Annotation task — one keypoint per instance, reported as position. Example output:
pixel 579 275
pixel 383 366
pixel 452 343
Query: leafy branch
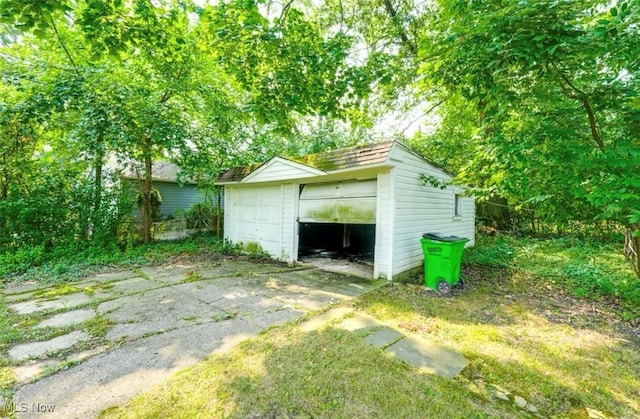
pixel 434 181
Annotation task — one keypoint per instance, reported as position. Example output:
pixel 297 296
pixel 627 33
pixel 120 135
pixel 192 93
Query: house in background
pixel 175 196
pixel 369 201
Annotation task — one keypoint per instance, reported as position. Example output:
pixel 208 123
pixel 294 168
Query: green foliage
pixel 453 145
pixel 56 212
pixel 253 248
pixel 200 215
pixel 288 65
pixel 156 201
pixel 583 267
pixel 552 88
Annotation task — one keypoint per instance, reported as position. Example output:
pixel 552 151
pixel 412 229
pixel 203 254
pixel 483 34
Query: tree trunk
pixel 97 188
pixel 636 245
pixel 632 247
pixel 146 194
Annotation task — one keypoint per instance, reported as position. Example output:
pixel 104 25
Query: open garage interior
pixel 355 242
pixel 337 220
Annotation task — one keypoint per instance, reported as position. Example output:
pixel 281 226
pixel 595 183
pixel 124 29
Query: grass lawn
pixel 522 321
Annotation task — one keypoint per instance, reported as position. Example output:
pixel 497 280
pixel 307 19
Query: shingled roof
pixel 236 174
pixel 328 161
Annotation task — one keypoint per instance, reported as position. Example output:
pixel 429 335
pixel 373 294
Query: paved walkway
pixel 120 333
pixel 414 350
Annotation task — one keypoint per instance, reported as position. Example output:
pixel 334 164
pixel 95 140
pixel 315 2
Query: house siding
pixel 420 208
pixel 230 217
pixel 176 197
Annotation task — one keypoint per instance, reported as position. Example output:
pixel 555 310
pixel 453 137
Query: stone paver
pixel 321 320
pixel 20 296
pixel 360 322
pixel 36 349
pixel 384 337
pixel 428 356
pixel 113 276
pixel 67 318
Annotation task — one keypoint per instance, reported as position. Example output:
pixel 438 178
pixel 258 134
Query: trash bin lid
pixel 440 237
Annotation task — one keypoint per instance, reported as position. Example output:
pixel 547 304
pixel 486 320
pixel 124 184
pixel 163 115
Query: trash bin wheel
pixel 444 287
pixel 460 284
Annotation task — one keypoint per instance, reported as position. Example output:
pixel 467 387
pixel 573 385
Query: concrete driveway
pixel 123 332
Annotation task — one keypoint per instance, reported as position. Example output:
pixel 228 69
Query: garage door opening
pixel 355 242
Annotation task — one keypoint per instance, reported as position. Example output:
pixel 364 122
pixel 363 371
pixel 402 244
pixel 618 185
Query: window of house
pixel 457 206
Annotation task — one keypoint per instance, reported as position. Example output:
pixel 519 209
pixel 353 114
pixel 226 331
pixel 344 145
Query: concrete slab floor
pixel 68 318
pixel 324 318
pixel 135 284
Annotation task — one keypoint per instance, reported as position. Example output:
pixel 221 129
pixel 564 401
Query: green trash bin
pixel 442 259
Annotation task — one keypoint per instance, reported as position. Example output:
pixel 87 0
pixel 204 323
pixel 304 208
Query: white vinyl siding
pixel 288 251
pixel 279 169
pixel 383 252
pixel 420 208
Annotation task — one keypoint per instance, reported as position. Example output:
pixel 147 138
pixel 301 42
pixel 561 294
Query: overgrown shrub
pixel 200 215
pixel 156 201
pixel 58 214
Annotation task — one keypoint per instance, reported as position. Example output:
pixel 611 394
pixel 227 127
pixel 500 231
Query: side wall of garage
pixel 420 208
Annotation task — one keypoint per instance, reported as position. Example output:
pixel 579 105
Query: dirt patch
pixel 553 303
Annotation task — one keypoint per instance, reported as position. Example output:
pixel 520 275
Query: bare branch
pixel 285 9
pixel 63 45
pixel 425 113
pixel 566 85
pixel 393 14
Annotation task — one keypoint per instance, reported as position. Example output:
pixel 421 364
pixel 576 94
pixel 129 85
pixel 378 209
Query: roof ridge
pixel 346 149
pixel 337 159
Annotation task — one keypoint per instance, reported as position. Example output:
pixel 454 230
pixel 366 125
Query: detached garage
pixel 369 201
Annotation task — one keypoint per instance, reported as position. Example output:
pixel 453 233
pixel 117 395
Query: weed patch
pixel 225 315
pixel 65 265
pixel 583 268
pixel 192 276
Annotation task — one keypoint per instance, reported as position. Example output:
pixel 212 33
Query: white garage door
pixel 349 202
pixel 259 217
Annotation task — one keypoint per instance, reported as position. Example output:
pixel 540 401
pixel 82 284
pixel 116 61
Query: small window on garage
pixel 457 206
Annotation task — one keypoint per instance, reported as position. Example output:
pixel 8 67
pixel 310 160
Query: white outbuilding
pixel 372 201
